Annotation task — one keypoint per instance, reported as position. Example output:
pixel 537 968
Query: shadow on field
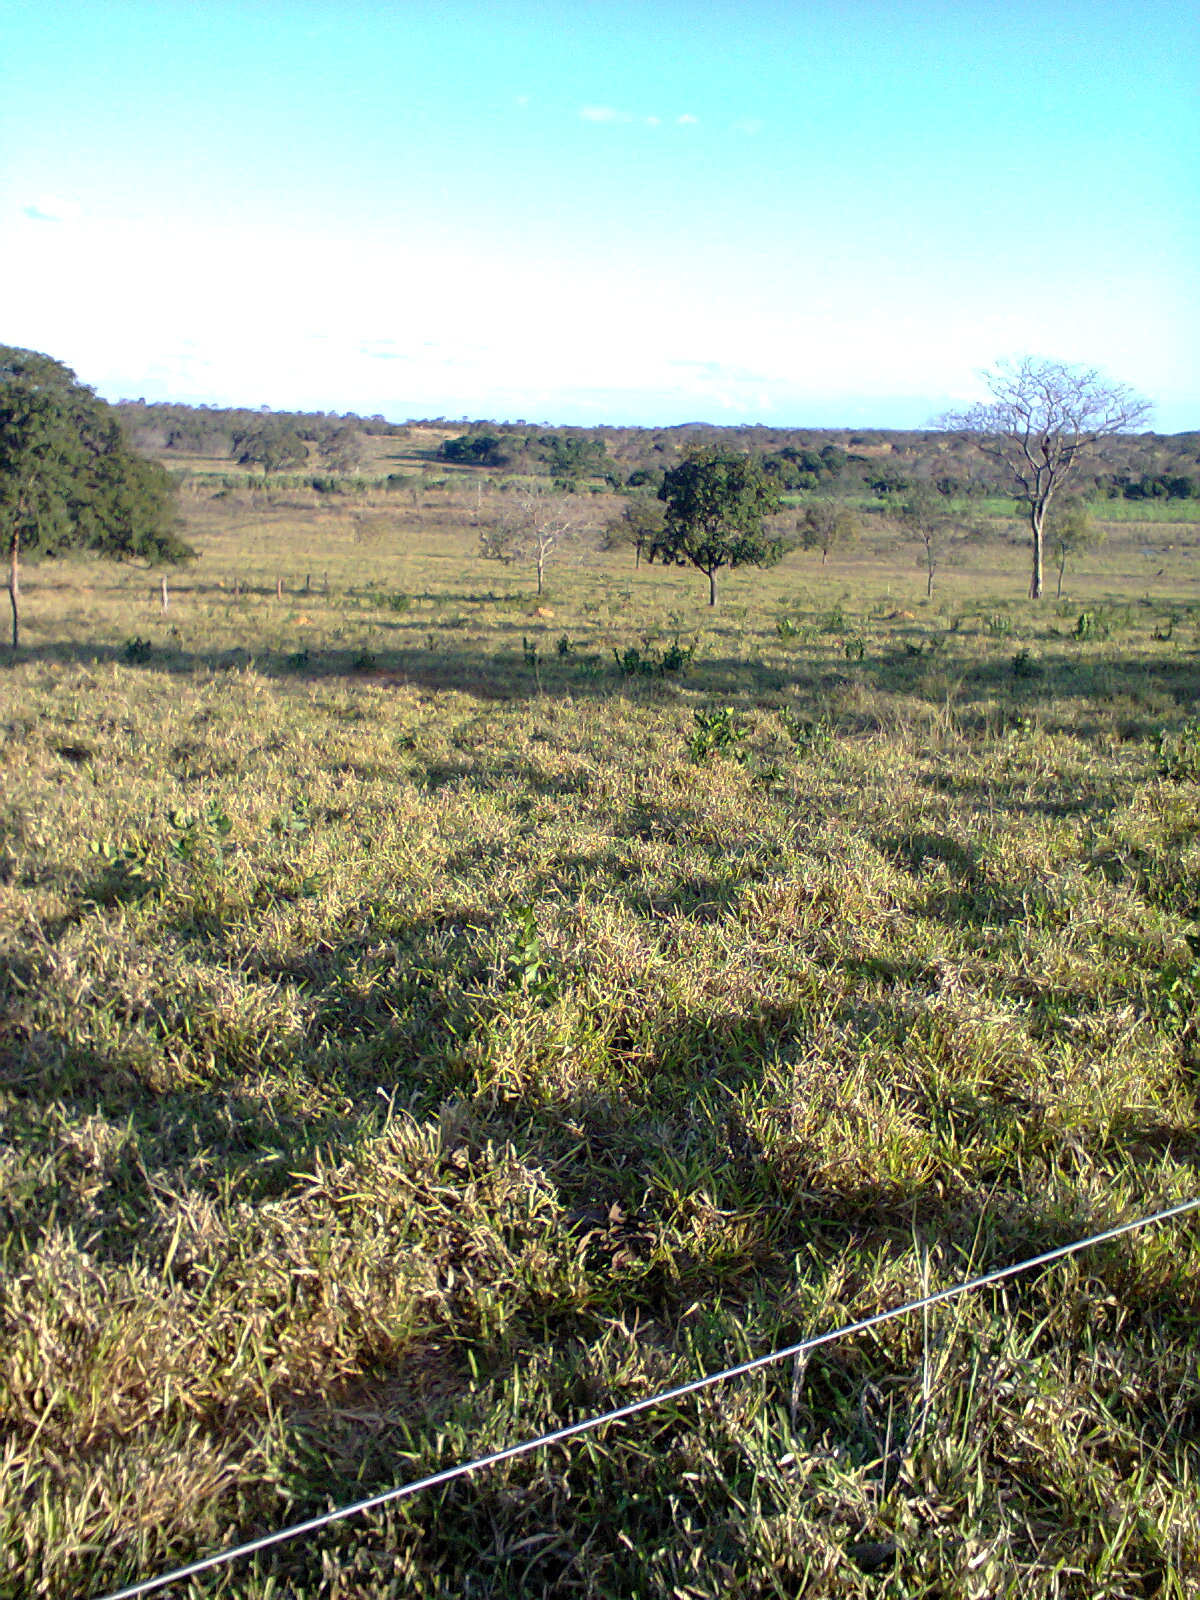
pixel 1139 694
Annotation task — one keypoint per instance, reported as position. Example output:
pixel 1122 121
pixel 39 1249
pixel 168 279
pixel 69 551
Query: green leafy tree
pixel 828 525
pixel 716 501
pixel 1070 531
pixel 1043 421
pixel 572 457
pixel 929 520
pixel 68 478
pixel 638 526
pixel 272 446
pixel 345 450
pixel 474 450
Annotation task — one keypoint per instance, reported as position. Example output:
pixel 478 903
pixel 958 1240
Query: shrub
pixel 137 651
pixel 1178 752
pixel 715 733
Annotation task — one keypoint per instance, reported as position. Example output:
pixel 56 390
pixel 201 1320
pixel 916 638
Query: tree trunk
pixel 929 583
pixel 712 587
pixel 637 556
pixel 14 589
pixel 1058 594
pixel 1037 517
pixel 540 567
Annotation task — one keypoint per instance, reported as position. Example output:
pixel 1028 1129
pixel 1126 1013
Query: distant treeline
pixel 1147 466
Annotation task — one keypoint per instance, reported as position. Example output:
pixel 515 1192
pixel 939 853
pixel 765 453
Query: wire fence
pixel 619 1413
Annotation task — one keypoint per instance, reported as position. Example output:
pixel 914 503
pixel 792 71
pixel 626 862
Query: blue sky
pixel 808 213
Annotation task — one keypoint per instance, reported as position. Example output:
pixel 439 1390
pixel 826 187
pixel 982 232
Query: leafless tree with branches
pixel 1043 419
pixel 533 527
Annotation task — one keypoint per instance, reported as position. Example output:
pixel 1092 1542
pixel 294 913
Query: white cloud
pixel 750 125
pixel 185 321
pixel 610 114
pixel 687 120
pixel 49 208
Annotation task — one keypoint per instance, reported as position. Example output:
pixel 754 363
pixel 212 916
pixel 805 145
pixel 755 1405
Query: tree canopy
pixel 274 446
pixel 828 525
pixel 68 479
pixel 715 505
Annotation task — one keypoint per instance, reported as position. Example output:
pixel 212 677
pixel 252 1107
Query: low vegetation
pixel 429 1011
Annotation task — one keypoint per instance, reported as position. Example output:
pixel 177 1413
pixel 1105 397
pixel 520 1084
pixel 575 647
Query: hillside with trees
pixel 846 461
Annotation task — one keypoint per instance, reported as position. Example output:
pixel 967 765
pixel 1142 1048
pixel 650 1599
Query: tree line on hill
pixel 71 477
pixel 1134 466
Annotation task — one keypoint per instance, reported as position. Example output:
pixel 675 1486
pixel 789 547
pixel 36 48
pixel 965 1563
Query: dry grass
pixel 326 1164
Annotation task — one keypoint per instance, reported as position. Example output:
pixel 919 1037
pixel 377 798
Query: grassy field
pixel 424 1019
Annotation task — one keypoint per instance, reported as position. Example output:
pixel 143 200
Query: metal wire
pixel 619 1413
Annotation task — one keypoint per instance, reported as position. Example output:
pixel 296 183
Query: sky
pixel 660 211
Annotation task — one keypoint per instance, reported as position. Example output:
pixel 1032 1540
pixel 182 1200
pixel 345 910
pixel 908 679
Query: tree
pixel 474 450
pixel 271 446
pixel 532 527
pixel 345 450
pixel 715 504
pixel 828 525
pixel 1044 419
pixel 927 518
pixel 638 526
pixel 574 456
pixel 68 479
pixel 1071 531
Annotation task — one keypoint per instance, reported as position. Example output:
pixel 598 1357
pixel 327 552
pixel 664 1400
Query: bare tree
pixel 533 527
pixel 1043 419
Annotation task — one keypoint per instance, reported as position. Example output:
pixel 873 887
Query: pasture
pixel 423 1018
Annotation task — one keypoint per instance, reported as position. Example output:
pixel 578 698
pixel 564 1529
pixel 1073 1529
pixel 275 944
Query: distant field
pixel 428 1012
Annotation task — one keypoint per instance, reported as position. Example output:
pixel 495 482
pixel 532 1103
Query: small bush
pixel 527 966
pixel 715 733
pixel 137 651
pixel 1178 753
pixel 125 874
pixel 806 733
pixel 1090 626
pixel 1024 666
pixel 203 836
pixel 365 661
pixel 651 664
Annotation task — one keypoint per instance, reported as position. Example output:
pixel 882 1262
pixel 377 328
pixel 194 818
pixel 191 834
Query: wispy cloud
pixel 382 350
pixel 610 114
pixel 687 120
pixel 750 125
pixel 49 208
